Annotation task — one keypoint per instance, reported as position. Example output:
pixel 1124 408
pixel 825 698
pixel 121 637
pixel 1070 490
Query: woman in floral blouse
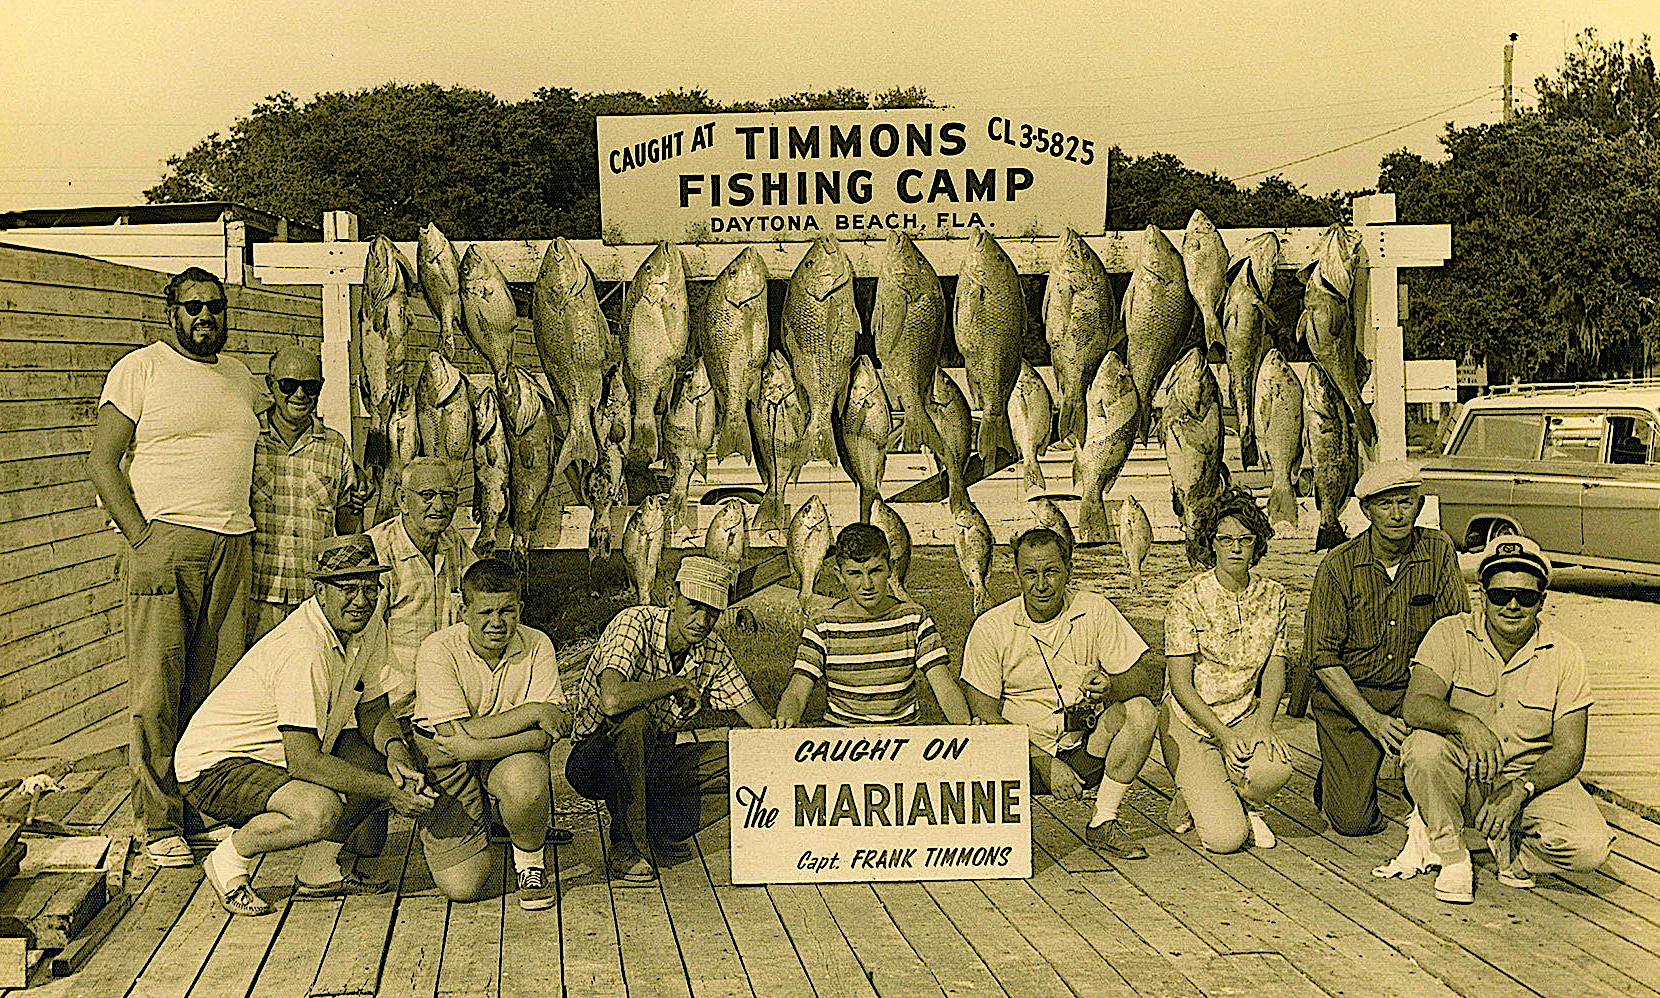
pixel 1224 639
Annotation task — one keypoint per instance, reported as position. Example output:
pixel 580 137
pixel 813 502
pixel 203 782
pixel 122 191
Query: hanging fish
pixel 1336 456
pixel 1135 536
pixel 1279 416
pixel 383 338
pixel 644 538
pixel 1326 325
pixel 952 419
pixel 990 325
pixel 734 345
pixel 778 422
pixel 529 418
pixel 439 268
pixel 1205 264
pixel 1158 312
pixel 1111 416
pixel 657 332
pixel 1246 323
pixel 1031 412
pixel 575 344
pixel 491 319
pixel 907 322
pixel 444 411
pixel 1193 443
pixel 690 401
pixel 883 518
pixel 1047 513
pixel 808 541
pixel 1081 322
pixel 866 430
pixel 491 478
pixel 403 442
pixel 821 328
pixel 727 539
pixel 973 543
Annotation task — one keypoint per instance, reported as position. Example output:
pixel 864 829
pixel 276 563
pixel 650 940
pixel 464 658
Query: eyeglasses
pixel 448 495
pixel 1528 598
pixel 194 308
pixel 289 386
pixel 1237 542
pixel 367 590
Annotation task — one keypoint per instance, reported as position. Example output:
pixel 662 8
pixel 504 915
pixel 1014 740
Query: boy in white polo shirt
pixel 488 706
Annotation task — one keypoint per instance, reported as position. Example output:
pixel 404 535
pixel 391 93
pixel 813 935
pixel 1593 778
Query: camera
pixel 1078 716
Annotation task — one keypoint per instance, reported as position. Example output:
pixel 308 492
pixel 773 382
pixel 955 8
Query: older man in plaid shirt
pixel 305 489
pixel 653 670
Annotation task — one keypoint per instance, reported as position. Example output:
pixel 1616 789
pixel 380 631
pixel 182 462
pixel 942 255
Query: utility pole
pixel 1509 56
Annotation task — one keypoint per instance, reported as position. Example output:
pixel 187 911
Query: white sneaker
pixel 1261 835
pixel 171 851
pixel 1456 883
pixel 1511 871
pixel 1178 817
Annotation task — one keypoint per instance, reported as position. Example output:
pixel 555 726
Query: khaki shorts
pixel 454 831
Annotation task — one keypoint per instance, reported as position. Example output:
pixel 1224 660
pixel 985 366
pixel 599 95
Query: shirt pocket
pixel 1534 714
pixel 1474 695
pixel 317 491
pixel 264 485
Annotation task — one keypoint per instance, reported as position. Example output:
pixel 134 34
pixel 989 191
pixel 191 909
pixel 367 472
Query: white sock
pixel 524 859
pixel 233 863
pixel 1106 800
pixel 320 863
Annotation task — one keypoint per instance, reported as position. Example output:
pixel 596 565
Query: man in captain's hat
pixel 1372 601
pixel 654 669
pixel 271 751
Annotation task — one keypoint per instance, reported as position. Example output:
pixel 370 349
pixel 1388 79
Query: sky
pixel 96 94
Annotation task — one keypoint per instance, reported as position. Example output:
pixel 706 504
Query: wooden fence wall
pixel 63 321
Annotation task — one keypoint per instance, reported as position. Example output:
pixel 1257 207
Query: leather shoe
pixel 1109 839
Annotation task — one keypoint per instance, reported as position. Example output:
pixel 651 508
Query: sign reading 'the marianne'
pixel 797 175
pixel 945 802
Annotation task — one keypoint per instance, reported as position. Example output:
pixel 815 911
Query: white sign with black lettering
pixel 933 802
pixel 797 175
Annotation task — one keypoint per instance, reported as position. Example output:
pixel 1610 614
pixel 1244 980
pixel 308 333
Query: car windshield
pixel 1502 435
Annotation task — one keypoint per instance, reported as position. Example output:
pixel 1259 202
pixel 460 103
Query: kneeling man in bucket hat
pixel 653 670
pixel 271 750
pixel 1500 703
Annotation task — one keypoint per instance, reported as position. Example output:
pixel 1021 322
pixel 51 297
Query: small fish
pixel 690 400
pixel 383 331
pixel 1205 263
pixel 1047 513
pixel 1031 412
pixel 491 319
pixel 907 322
pixel 1246 323
pixel 973 543
pixel 1158 312
pixel 1135 536
pixel 491 457
pixel 1336 456
pixel 1111 417
pixel 444 410
pixel 727 539
pixel 599 492
pixel 1336 252
pixel 865 432
pixel 990 325
pixel 777 422
pixel 1279 416
pixel 403 443
pixel 643 541
pixel 656 335
pixel 1082 322
pixel 809 540
pixel 439 268
pixel 575 343
pixel 821 327
pixel 883 518
pixel 1193 442
pixel 1327 327
pixel 733 340
pixel 529 418
pixel 951 418
pixel 613 423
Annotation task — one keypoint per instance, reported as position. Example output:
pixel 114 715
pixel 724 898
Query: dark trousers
pixel 652 786
pixel 1347 787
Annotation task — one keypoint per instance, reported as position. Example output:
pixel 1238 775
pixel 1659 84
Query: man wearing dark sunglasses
pixel 305 488
pixel 1500 707
pixel 187 412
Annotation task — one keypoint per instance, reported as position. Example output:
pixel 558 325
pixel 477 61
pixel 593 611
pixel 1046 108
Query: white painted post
pixel 339 317
pixel 1381 339
pixel 236 241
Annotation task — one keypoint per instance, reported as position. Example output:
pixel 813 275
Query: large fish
pixel 1335 254
pixel 403 443
pixel 1246 322
pixel 1111 417
pixel 1193 442
pixel 691 406
pixel 575 344
pixel 1326 326
pixel 821 328
pixel 883 518
pixel 1135 536
pixel 1205 264
pixel 1279 416
pixel 951 417
pixel 492 456
pixel 778 421
pixel 907 322
pixel 734 346
pixel 439 269
pixel 1336 458
pixel 809 539
pixel 1158 312
pixel 727 539
pixel 644 538
pixel 865 432
pixel 530 420
pixel 990 325
pixel 444 410
pixel 972 539
pixel 491 319
pixel 1047 513
pixel 1081 322
pixel 658 325
pixel 1031 413
pixel 383 338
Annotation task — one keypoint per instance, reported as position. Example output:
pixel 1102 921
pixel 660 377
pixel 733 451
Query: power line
pixel 1379 135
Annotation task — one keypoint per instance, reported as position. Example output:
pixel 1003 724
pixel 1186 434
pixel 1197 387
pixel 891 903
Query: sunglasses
pixel 194 308
pixel 1528 598
pixel 312 386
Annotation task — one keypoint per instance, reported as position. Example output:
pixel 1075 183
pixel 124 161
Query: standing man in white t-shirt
pixel 187 412
pixel 1068 666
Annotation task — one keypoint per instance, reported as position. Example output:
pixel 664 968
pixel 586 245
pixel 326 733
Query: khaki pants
pixel 1561 829
pixel 1214 790
pixel 186 596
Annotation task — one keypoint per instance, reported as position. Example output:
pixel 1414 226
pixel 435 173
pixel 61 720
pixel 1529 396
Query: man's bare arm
pixel 111 436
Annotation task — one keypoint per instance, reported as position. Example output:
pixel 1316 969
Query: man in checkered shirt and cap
pixel 652 672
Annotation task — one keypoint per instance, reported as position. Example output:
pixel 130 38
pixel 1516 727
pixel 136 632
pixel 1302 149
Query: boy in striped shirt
pixel 869 647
